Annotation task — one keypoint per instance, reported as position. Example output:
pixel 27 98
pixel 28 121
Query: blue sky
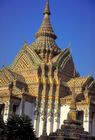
pixel 73 22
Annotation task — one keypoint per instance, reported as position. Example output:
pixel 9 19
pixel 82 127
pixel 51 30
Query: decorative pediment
pixel 17 92
pixel 61 57
pixel 4 80
pixel 64 61
pixel 78 84
pixel 68 66
pixel 26 59
pixel 7 76
pixel 8 73
pixel 91 87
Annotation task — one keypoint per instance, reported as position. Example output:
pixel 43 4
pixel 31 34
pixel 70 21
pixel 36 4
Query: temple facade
pixel 42 81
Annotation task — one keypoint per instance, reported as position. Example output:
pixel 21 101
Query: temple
pixel 42 82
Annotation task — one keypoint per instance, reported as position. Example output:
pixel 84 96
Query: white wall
pixel 93 125
pixel 63 113
pixel 29 110
pixel 18 110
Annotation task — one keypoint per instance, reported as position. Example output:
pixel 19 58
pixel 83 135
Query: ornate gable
pixel 7 76
pixel 78 84
pixel 64 62
pixel 91 87
pixel 3 79
pixel 25 60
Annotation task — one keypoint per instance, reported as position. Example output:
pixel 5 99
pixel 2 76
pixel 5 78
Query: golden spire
pixel 47 9
pixel 45 45
pixel 46 28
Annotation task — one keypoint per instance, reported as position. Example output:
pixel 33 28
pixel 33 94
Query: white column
pixel 56 116
pixel 41 123
pixel 49 122
pixel 22 106
pixel 6 111
pixel 50 110
pixel 37 111
pixel 86 120
pixel 37 121
pixel 55 126
pixel 57 108
pixel 36 125
pixel 63 113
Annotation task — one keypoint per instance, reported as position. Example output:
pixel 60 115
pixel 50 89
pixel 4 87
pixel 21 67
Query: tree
pixel 2 128
pixel 19 128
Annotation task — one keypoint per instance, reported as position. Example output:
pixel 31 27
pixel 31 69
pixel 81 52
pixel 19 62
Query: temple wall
pixel 29 110
pixel 93 125
pixel 86 120
pixel 92 120
pixel 64 111
pixel 86 117
pixel 18 110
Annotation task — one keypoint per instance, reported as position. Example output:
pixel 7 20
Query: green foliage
pixel 2 128
pixel 17 128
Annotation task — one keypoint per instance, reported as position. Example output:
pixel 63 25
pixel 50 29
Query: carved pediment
pixel 64 61
pixel 60 57
pixel 7 76
pixel 79 84
pixel 91 87
pixel 26 59
pixel 68 66
pixel 4 80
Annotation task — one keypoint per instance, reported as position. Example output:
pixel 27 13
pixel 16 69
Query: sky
pixel 73 22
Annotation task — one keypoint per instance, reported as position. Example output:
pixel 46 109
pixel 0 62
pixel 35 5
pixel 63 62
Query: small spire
pixel 47 9
pixel 46 27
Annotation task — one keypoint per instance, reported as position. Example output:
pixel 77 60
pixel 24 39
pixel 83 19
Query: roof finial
pixel 47 9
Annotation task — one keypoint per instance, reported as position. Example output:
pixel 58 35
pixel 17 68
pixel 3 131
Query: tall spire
pixel 45 45
pixel 46 28
pixel 47 9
